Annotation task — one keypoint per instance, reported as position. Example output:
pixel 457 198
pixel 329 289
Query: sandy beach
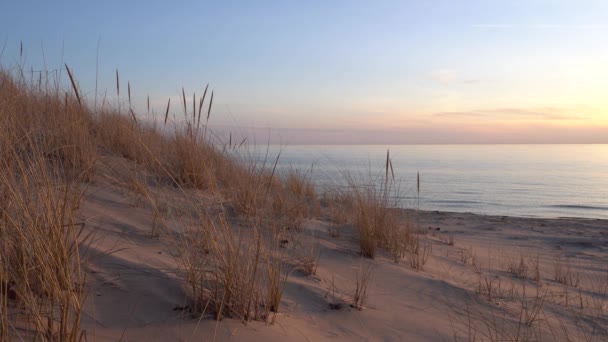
pixel 483 274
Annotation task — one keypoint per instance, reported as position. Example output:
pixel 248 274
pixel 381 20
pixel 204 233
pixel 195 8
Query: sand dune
pixel 137 289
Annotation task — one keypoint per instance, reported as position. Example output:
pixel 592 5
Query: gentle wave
pixel 457 202
pixel 577 206
pixel 462 192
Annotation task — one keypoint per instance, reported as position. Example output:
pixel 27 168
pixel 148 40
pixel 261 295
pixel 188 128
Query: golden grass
pixel 46 157
pixel 233 272
pixel 363 278
pixel 373 217
pixel 522 305
pixel 49 148
pixel 379 223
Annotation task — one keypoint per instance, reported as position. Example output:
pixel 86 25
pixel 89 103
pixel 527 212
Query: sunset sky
pixel 341 71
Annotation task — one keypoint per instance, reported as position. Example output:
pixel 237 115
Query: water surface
pixel 514 180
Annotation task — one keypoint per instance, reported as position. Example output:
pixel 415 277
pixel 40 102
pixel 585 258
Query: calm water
pixel 515 180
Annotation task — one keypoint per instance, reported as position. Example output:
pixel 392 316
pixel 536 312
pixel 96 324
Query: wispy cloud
pixel 513 113
pixel 541 27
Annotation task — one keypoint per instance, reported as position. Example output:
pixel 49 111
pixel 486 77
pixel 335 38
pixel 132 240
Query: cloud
pixel 582 27
pixel 459 114
pixel 513 113
pixel 432 134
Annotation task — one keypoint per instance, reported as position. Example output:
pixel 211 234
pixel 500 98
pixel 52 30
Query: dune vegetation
pixel 231 234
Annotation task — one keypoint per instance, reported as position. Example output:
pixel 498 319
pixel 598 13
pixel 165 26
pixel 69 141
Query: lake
pixel 515 180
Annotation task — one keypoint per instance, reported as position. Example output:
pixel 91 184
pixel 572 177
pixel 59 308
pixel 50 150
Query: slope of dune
pixel 137 292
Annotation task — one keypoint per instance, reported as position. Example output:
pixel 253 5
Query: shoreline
pixel 446 212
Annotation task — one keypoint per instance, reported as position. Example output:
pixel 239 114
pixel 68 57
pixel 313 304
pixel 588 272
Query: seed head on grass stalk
pixel 73 85
pixel 200 107
pixel 117 84
pixel 208 115
pixel 167 111
pixel 130 107
pixel 118 91
pixel 193 109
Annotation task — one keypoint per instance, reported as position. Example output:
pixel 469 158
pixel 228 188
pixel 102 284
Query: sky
pixel 369 72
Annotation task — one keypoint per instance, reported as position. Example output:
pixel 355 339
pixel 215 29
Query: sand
pixel 137 293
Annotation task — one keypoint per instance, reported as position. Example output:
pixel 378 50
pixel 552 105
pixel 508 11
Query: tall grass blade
pixel 386 167
pixel 193 108
pixel 73 84
pixel 184 101
pixel 208 114
pixel 96 71
pixel 133 115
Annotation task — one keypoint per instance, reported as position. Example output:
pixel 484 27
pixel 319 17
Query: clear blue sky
pixel 383 71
